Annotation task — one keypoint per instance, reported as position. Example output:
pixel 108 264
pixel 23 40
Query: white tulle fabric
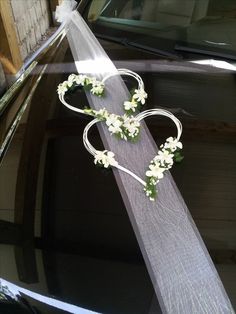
pixel 183 275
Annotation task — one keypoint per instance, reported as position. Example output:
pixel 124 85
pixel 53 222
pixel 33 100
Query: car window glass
pixel 203 25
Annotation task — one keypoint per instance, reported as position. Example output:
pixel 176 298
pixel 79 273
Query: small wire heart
pixel 164 160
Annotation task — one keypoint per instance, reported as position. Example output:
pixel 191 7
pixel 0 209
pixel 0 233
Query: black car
pixel 67 228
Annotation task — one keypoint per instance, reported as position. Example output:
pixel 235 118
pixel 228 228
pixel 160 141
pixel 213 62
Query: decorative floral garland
pixel 137 99
pixel 164 160
pixel 95 86
pixel 123 127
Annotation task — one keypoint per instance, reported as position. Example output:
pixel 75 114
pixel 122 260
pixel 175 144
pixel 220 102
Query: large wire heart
pixel 122 126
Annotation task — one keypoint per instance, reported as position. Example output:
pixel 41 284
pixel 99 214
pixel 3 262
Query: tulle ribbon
pixel 184 277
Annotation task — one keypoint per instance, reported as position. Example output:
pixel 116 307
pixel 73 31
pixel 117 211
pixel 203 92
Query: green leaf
pixel 178 157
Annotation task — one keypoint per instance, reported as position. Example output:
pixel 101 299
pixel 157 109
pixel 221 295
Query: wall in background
pixel 2 79
pixel 23 23
pixel 32 19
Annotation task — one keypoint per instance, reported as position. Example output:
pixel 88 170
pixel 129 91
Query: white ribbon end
pixel 64 10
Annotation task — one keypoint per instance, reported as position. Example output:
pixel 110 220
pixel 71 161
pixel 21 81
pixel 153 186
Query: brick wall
pixel 32 19
pixel 2 79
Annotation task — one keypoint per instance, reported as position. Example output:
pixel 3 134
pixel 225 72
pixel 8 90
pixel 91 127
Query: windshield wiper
pixel 119 40
pixel 154 50
pixel 125 42
pixel 220 54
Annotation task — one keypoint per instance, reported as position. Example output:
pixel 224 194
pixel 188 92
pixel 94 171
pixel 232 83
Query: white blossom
pixel 62 88
pixel 105 158
pixel 130 105
pixel 80 79
pixel 161 162
pixel 164 157
pixel 155 171
pixel 173 144
pixel 111 119
pixel 132 125
pixel 140 95
pixel 114 123
pixel 115 128
pixel 71 80
pixel 92 80
pixel 132 130
pixel 97 88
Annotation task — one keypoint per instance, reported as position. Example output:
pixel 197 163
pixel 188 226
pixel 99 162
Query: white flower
pixel 132 130
pixel 155 171
pixel 164 157
pixel 114 123
pixel 148 192
pixel 161 162
pixel 111 119
pixel 140 95
pixel 97 88
pixel 92 80
pixel 71 79
pixel 115 128
pixel 132 125
pixel 130 105
pixel 173 144
pixel 99 157
pixel 105 158
pixel 80 79
pixel 62 88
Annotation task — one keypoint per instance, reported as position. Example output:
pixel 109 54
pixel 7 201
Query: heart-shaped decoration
pixel 164 160
pixel 125 126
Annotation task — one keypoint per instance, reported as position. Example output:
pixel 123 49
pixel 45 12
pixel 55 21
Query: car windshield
pixel 199 26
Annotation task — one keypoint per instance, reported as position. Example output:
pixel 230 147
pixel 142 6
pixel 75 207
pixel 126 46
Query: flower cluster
pixel 105 158
pixel 164 160
pixel 88 83
pixel 123 127
pixel 138 98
